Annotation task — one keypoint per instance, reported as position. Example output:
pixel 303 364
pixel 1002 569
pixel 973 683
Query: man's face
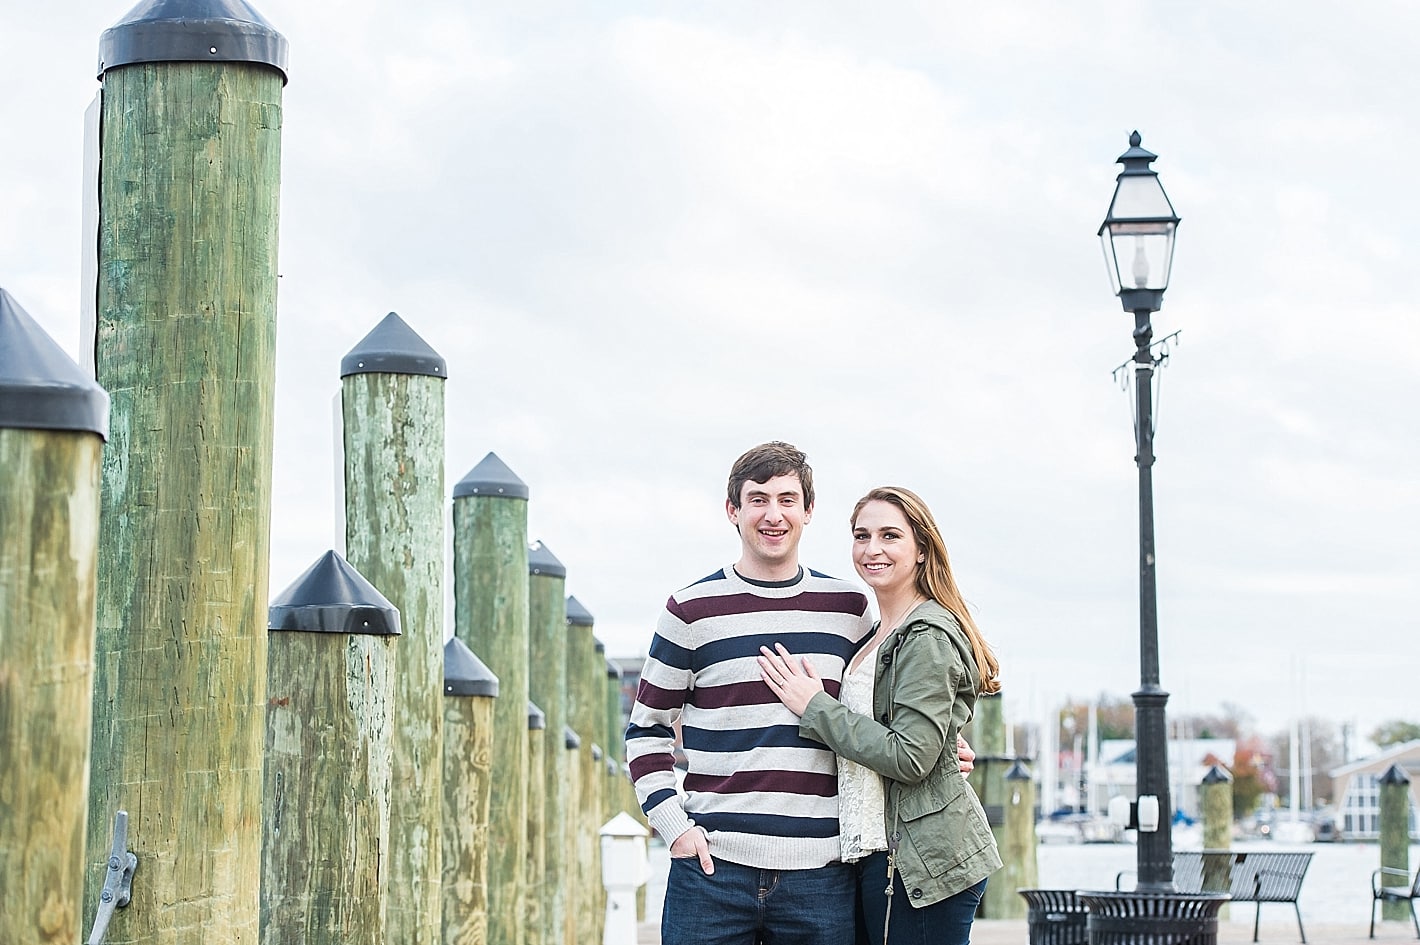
pixel 770 520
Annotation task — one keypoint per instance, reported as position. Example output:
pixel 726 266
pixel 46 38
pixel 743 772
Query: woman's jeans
pixel 943 923
pixel 742 905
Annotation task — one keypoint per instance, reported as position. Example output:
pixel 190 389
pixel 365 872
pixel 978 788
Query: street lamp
pixel 1138 235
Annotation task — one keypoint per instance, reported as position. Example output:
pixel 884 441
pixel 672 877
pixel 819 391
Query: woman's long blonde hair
pixel 934 574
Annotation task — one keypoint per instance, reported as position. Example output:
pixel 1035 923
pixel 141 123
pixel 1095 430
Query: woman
pixel 905 697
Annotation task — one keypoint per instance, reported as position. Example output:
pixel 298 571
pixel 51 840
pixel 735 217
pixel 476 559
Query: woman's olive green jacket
pixel 924 691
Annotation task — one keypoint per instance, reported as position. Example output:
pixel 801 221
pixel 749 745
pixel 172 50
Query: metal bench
pixel 1380 892
pixel 1248 877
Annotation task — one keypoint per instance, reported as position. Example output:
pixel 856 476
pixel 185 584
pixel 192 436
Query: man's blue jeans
pixel 743 905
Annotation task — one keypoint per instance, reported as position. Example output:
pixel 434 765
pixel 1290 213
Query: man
pixel 754 841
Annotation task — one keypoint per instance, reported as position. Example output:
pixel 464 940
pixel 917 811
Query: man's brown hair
pixel 767 460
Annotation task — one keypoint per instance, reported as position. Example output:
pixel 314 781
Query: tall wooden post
pixel 470 690
pixel 1018 865
pixel 330 683
pixel 1216 800
pixel 186 326
pixel 1395 836
pixel 547 683
pixel 614 741
pixel 392 404
pixel 53 421
pixel 586 709
pixel 491 617
pixel 536 865
pixel 988 738
pixel 571 873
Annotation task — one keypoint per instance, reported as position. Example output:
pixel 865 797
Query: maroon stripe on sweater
pixel 730 605
pixel 783 782
pixel 646 764
pixel 742 693
pixel 657 698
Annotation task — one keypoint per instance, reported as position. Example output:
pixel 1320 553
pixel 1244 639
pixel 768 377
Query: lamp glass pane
pixel 1139 196
pixel 1142 255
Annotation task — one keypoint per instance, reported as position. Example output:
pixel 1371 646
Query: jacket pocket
pixel 938 820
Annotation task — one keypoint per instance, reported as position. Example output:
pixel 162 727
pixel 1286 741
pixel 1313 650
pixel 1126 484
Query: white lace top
pixel 860 790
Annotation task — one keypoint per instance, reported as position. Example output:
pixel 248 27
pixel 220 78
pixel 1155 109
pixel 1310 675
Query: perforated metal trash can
pixel 1055 917
pixel 1143 918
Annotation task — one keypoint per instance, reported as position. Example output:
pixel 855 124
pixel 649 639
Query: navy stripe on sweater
pixel 737 740
pixel 769 825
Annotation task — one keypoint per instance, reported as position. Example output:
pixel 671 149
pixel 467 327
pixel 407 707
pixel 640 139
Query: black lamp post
pixel 1138 234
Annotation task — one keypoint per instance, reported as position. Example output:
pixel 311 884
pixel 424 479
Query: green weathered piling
pixel 491 617
pixel 53 420
pixel 1018 870
pixel 987 735
pixel 1395 836
pixel 547 684
pixel 326 817
pixel 571 874
pixel 1216 800
pixel 392 408
pixel 533 924
pixel 586 709
pixel 470 691
pixel 614 741
pixel 186 324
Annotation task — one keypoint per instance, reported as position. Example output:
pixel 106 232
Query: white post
pixel 623 872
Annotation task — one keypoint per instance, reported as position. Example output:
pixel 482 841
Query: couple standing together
pixel 824 802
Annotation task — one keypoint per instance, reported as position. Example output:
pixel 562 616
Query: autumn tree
pixel 1395 732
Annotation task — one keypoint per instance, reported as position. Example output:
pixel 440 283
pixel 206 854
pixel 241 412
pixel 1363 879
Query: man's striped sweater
pixel 766 796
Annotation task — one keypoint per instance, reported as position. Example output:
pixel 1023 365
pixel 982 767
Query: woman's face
pixel 885 552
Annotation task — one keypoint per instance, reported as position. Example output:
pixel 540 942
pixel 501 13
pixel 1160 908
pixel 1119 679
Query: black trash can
pixel 1055 917
pixel 1145 918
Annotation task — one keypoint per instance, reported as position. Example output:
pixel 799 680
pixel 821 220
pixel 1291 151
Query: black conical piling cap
pixel 543 562
pixel 577 615
pixel 332 597
pixel 491 477
pixel 192 31
pixel 41 388
pixel 392 347
pixel 537 719
pixel 1018 772
pixel 598 646
pixel 570 739
pixel 612 670
pixel 1395 774
pixel 465 674
pixel 1216 775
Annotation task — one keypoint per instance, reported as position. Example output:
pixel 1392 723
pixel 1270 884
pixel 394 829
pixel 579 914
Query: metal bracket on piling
pixel 118 884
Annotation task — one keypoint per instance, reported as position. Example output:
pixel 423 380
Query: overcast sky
pixel 646 236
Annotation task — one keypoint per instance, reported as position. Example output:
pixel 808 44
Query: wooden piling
pixel 1215 797
pixel 988 738
pixel 586 710
pixel 1018 865
pixel 326 818
pixel 392 408
pixel 571 874
pixel 614 742
pixel 1395 836
pixel 186 321
pixel 534 876
pixel 491 617
pixel 547 684
pixel 53 421
pixel 470 690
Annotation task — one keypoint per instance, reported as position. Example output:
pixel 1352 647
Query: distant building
pixel 1115 772
pixel 1359 812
